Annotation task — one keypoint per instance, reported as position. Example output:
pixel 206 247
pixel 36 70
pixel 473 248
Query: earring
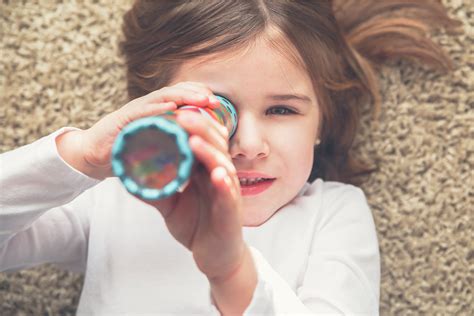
pixel 318 141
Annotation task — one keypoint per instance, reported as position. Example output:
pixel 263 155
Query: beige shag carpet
pixel 59 67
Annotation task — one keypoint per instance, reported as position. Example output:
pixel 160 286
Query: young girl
pixel 301 240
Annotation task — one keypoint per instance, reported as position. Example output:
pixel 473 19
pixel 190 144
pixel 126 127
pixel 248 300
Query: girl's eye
pixel 280 110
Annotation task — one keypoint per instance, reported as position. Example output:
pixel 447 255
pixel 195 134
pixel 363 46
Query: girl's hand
pixel 207 216
pixel 89 151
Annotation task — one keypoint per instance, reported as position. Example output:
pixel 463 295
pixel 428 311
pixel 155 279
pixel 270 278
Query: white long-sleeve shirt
pixel 318 254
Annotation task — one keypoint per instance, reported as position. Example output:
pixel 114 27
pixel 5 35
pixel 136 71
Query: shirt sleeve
pixel 342 275
pixel 40 218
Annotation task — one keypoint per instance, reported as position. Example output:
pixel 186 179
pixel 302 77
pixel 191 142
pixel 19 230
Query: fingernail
pixel 223 174
pixel 215 101
pixel 220 172
pixel 225 131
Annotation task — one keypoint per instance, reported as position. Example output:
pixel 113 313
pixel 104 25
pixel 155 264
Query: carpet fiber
pixel 59 67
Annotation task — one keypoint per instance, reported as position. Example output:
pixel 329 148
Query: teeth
pixel 244 181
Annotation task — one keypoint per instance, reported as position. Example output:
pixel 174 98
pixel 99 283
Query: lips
pixel 253 175
pixel 253 188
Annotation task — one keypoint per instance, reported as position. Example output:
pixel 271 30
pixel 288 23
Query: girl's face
pixel 278 120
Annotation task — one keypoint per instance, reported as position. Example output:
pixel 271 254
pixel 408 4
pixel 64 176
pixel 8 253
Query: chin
pixel 252 223
pixel 253 219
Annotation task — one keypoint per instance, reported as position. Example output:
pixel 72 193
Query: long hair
pixel 339 43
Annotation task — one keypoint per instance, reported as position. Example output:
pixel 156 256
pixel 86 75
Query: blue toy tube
pixel 152 157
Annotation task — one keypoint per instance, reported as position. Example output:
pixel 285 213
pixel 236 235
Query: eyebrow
pixel 279 97
pixel 288 97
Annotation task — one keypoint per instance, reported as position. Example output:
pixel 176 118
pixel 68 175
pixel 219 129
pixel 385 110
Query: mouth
pixel 253 183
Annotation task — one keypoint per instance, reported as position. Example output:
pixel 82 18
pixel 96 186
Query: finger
pixel 196 124
pixel 150 109
pixel 130 113
pixel 222 181
pixel 210 156
pixel 221 129
pixel 202 88
pixel 199 88
pixel 153 103
pixel 226 213
pixel 177 95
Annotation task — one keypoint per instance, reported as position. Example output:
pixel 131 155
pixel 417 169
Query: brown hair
pixel 338 42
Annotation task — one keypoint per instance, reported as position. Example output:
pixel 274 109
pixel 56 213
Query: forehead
pixel 264 66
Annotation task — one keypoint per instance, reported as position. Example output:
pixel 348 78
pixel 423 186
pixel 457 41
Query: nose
pixel 249 141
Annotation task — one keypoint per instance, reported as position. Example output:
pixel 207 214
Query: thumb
pixel 227 210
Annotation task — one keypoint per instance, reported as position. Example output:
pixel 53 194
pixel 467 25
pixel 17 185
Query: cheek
pixel 296 152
